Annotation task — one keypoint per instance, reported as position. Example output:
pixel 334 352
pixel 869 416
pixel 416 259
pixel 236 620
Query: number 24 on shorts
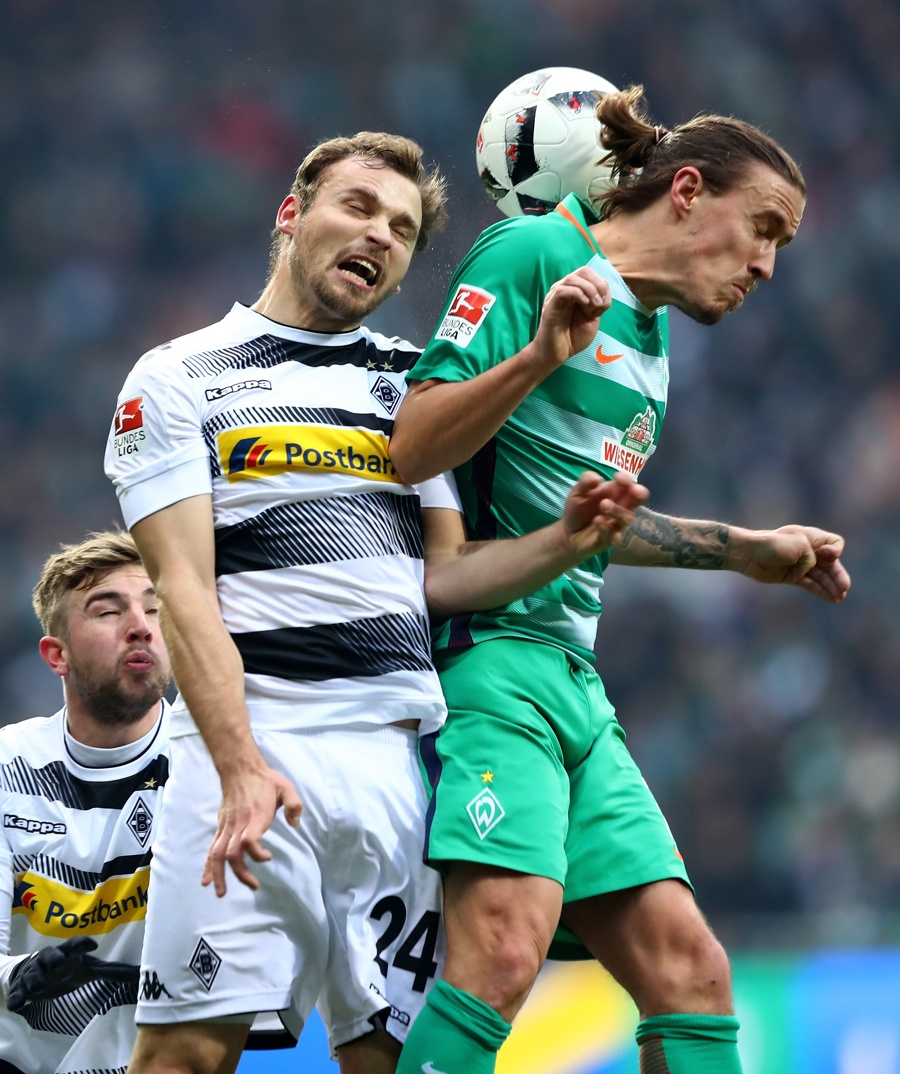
pixel 424 932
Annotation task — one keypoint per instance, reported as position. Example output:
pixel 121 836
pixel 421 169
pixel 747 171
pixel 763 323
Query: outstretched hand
pixel 249 805
pixel 798 555
pixel 55 971
pixel 598 512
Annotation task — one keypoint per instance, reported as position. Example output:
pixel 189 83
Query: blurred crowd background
pixel 145 149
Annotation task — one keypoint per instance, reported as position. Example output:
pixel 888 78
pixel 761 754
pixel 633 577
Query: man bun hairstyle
pixel 77 566
pixel 645 156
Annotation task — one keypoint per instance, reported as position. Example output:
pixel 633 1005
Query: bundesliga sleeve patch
pixel 465 315
pixel 128 428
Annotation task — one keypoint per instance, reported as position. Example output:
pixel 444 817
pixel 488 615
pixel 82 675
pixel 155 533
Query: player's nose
pixel 139 624
pixel 379 231
pixel 763 265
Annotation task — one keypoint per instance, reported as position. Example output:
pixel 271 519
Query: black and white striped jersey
pixel 75 861
pixel 319 556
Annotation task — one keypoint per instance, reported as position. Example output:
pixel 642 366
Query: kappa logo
pixel 485 812
pixel 387 394
pixel 152 987
pixel 465 314
pixel 28 824
pixel 212 394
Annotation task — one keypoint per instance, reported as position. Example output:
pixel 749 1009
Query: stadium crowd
pixel 143 148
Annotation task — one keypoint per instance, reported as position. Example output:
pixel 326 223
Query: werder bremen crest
pixel 640 433
pixel 636 446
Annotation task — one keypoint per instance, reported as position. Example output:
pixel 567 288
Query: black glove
pixel 56 971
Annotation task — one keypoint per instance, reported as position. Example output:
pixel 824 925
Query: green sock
pixel 689 1044
pixel 455 1033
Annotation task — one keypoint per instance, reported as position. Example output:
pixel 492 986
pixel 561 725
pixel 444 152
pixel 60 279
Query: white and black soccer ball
pixel 540 140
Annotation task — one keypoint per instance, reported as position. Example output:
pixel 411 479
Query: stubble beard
pixel 111 704
pixel 343 302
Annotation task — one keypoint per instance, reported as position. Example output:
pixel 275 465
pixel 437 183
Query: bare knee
pixel 692 975
pixel 656 943
pixel 499 927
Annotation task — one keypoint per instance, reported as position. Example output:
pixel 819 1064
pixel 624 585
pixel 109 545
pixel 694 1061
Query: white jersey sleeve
pixel 440 491
pixel 7 961
pixel 156 454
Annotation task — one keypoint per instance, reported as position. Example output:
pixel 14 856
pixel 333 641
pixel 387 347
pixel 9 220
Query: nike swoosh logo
pixel 604 359
pixel 429 1068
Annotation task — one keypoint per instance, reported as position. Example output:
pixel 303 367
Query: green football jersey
pixel 602 410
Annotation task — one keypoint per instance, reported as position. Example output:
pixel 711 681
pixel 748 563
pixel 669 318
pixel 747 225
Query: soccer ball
pixel 540 140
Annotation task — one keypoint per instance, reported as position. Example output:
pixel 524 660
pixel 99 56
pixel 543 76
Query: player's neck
pixel 280 303
pixel 98 734
pixel 636 245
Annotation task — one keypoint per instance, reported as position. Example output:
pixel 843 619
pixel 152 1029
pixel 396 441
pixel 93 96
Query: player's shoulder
pixel 35 739
pixel 513 248
pixel 221 333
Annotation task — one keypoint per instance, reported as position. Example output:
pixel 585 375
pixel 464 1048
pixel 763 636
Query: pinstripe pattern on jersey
pixel 577 419
pixel 360 649
pixel 88 865
pixel 79 879
pixel 293 540
pixel 322 531
pixel 55 783
pixel 295 415
pixel 266 351
pixel 71 1013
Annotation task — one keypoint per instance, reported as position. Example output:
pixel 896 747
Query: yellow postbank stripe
pixel 56 910
pixel 256 451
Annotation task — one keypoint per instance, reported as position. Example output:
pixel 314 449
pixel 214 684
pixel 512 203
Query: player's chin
pixel 356 303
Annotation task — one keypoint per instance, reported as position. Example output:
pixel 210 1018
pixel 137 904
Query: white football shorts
pixel 347 916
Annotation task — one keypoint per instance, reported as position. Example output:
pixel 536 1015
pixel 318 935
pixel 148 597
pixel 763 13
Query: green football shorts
pixel 531 773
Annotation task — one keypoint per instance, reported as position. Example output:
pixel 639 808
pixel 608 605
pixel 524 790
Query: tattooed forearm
pixel 656 540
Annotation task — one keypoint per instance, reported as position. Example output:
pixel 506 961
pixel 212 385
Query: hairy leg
pixel 188 1048
pixel 499 927
pixel 655 942
pixel 375 1053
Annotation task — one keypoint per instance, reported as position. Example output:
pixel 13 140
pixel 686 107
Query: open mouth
pixel 364 272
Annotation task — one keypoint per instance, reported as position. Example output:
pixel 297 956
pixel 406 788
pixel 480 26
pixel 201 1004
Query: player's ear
pixel 288 212
pixel 687 183
pixel 54 654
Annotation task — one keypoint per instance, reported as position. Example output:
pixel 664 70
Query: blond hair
pixel 78 566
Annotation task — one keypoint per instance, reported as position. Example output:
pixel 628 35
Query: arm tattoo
pixel 670 542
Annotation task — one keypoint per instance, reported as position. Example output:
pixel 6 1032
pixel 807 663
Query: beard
pixel 343 302
pixel 112 702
